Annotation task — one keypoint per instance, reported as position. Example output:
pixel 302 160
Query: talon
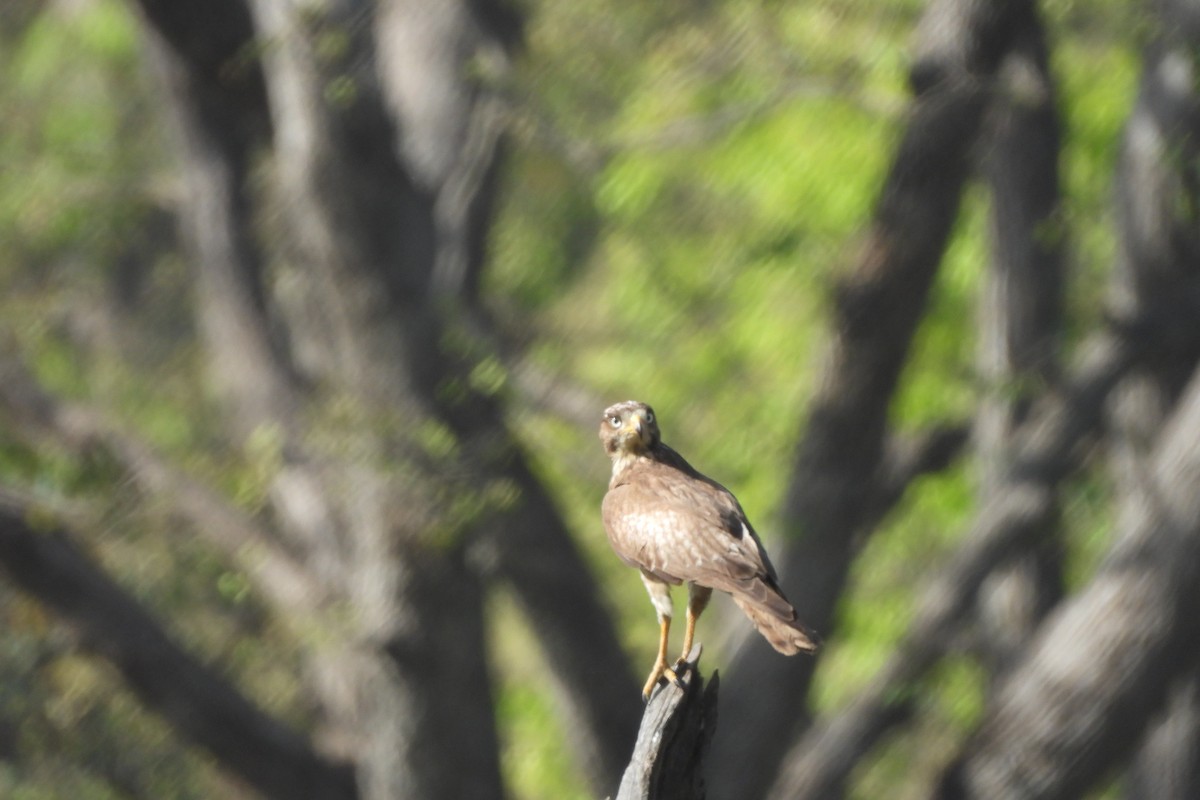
pixel 660 669
pixel 673 676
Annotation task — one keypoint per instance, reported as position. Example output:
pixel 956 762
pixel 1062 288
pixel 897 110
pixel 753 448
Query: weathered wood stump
pixel 677 726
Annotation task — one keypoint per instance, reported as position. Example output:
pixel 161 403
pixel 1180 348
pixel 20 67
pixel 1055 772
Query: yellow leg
pixel 698 597
pixel 660 664
pixel 689 633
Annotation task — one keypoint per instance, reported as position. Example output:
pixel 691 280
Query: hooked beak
pixel 637 425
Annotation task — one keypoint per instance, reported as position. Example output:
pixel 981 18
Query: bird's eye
pixel 649 416
pixel 615 421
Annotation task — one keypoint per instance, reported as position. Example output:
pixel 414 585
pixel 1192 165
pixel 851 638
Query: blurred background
pixel 309 312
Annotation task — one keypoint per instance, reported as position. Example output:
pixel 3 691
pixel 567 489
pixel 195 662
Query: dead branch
pixel 678 724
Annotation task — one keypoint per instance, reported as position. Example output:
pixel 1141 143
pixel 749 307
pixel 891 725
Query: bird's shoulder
pixel 664 472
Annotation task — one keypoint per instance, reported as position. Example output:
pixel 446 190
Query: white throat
pixel 622 461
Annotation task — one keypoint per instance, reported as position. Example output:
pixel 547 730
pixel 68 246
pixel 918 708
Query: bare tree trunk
pixel 677 727
pixel 453 121
pixel 413 669
pixel 1099 667
pixel 1021 319
pixel 1102 666
pixel 1167 766
pixel 450 140
pixel 218 115
pixel 832 496
pixel 387 189
pixel 1158 276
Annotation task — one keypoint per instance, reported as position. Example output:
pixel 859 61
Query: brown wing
pixel 684 527
pixel 670 521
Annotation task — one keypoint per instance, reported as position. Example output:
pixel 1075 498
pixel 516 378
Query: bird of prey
pixel 675 524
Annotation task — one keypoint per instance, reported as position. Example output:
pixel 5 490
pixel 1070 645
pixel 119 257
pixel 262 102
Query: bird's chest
pixel 637 522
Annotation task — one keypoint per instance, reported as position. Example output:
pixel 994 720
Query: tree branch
pixel 214 92
pixel 201 706
pixel 39 417
pixel 1047 448
pixel 668 758
pixel 908 457
pixel 1100 667
pixel 1166 765
pixel 386 199
pixel 1156 274
pixel 1020 323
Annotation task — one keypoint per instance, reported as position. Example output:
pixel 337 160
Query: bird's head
pixel 628 429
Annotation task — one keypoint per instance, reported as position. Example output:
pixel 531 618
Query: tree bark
pixel 668 757
pixel 450 139
pixel 1167 765
pixel 217 104
pixel 453 122
pixel 1021 321
pixel 412 674
pixel 1099 668
pixel 1157 276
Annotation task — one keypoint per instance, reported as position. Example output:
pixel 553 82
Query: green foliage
pixel 67 164
pixel 686 181
pixel 532 756
pixel 1097 85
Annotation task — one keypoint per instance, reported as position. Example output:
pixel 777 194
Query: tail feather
pixel 782 630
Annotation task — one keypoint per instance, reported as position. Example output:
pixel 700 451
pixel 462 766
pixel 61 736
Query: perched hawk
pixel 676 525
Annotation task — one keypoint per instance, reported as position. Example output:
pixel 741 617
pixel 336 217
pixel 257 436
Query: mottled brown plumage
pixel 675 525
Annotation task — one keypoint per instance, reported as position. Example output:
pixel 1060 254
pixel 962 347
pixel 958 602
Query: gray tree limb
pixel 39 417
pixel 1159 249
pixel 678 724
pixel 409 680
pixel 1099 668
pixel 1020 313
pixel 1165 767
pixel 203 707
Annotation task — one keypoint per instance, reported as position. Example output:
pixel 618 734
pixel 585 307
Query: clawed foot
pixel 661 670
